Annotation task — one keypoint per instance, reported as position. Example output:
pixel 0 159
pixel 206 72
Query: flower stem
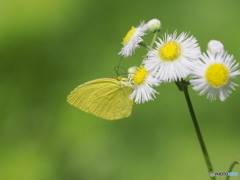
pixel 144 45
pixel 153 40
pixel 196 126
pixel 231 168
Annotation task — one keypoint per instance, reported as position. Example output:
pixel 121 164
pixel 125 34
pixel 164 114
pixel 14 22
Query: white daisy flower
pixel 212 75
pixel 173 57
pixel 142 81
pixel 132 39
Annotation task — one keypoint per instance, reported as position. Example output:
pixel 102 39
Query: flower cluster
pixel 173 58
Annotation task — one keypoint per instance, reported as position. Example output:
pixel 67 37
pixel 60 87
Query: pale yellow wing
pixel 107 98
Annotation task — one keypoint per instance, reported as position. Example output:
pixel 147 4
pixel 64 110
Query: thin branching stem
pixel 231 168
pixel 144 45
pixel 154 39
pixel 196 126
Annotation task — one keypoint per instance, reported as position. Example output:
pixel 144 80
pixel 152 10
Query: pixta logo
pixel 212 174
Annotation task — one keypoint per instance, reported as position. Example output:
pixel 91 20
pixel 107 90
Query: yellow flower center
pixel 129 35
pixel 140 75
pixel 217 75
pixel 169 51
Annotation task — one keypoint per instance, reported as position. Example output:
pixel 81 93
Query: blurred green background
pixel 47 48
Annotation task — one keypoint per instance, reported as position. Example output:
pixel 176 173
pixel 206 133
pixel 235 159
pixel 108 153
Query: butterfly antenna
pixel 116 68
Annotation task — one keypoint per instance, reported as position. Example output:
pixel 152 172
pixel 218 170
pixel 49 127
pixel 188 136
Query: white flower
pixel 154 25
pixel 215 47
pixel 173 57
pixel 132 39
pixel 142 81
pixel 212 75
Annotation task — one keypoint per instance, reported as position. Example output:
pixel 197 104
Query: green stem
pixel 144 45
pixel 196 126
pixel 153 40
pixel 231 168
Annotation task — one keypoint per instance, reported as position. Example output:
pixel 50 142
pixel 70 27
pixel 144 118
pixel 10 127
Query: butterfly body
pixel 107 98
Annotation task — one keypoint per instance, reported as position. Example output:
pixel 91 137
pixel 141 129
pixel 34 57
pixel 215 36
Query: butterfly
pixel 107 98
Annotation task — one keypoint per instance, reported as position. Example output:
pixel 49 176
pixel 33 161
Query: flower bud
pixel 154 25
pixel 132 70
pixel 215 47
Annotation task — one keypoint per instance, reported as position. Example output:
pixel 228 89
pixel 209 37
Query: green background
pixel 49 47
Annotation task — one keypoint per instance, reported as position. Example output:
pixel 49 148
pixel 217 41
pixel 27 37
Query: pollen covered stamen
pixel 217 75
pixel 140 75
pixel 129 35
pixel 169 51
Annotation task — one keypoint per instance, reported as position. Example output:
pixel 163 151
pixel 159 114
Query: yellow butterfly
pixel 107 98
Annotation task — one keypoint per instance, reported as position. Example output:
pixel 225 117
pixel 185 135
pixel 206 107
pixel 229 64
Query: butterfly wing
pixel 107 98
